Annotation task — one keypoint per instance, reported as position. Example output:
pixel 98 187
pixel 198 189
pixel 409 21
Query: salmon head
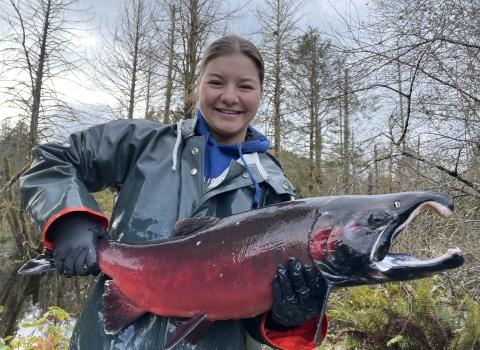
pixel 350 240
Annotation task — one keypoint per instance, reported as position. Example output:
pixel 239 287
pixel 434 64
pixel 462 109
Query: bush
pixel 51 332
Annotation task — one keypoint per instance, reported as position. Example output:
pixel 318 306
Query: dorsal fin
pixel 188 226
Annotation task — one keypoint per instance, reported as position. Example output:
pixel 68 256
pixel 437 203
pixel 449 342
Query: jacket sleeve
pixel 300 337
pixel 63 175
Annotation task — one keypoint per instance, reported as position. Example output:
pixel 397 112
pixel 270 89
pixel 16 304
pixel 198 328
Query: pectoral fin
pixel 321 308
pixel 118 310
pixel 194 330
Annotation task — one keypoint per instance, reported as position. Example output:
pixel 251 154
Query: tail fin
pixel 42 263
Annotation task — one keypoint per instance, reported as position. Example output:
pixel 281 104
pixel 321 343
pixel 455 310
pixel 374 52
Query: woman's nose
pixel 229 95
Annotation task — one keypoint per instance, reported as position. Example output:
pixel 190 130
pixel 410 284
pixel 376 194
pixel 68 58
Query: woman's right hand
pixel 75 249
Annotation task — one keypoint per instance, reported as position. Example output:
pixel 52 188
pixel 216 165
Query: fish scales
pixel 220 272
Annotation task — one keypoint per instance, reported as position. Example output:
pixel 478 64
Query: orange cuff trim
pixel 301 337
pixel 97 217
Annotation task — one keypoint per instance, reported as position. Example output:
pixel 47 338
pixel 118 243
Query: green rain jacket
pixel 156 174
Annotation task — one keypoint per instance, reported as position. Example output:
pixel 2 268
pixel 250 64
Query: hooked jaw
pixel 385 240
pixel 400 267
pixel 345 259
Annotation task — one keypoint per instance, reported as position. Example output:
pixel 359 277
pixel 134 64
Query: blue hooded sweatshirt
pixel 218 157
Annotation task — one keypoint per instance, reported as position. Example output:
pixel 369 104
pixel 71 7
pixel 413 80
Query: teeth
pixel 228 112
pixel 440 209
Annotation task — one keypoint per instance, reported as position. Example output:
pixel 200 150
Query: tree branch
pixel 452 173
pixel 15 177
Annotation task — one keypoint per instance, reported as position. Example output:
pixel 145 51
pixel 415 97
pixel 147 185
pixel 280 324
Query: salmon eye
pixel 377 219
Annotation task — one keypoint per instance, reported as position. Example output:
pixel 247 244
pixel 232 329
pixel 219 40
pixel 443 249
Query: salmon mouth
pixel 404 267
pixel 387 266
pixel 344 260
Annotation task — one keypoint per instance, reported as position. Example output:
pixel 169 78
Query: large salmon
pixel 218 269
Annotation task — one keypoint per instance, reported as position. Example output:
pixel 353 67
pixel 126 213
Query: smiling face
pixel 228 95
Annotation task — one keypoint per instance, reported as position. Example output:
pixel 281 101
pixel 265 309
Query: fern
pixel 410 315
pixel 468 336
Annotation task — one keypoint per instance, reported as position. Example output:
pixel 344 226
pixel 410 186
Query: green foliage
pixel 409 315
pixel 48 332
pixel 105 200
pixel 468 335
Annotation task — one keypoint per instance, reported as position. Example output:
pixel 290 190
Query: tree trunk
pixel 12 297
pixel 311 151
pixel 191 62
pixel 400 160
pixel 276 96
pixel 168 93
pixel 133 80
pixel 37 84
pixel 12 215
pixel 346 136
pixel 390 160
pixel 318 151
pixel 377 175
pixel 149 113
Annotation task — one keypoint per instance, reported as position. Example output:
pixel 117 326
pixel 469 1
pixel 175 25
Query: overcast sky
pixel 319 13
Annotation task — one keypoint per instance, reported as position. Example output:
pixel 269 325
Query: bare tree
pixel 278 20
pixel 39 47
pixel 198 22
pixel 422 58
pixel 123 64
pixel 183 28
pixel 312 67
pixel 170 78
pixel 17 235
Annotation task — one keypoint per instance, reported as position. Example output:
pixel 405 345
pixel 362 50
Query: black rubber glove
pixel 75 249
pixel 296 289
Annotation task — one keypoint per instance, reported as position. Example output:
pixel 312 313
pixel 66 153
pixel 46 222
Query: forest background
pixel 360 98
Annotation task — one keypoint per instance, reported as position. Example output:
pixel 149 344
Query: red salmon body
pixel 224 271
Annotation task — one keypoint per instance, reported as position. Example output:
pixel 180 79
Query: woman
pixel 212 165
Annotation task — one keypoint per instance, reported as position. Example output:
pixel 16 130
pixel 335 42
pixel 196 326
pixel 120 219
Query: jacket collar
pixel 188 127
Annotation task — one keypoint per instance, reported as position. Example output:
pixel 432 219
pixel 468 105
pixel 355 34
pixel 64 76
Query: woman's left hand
pixel 296 289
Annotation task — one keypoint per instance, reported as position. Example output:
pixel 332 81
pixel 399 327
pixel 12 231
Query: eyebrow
pixel 243 80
